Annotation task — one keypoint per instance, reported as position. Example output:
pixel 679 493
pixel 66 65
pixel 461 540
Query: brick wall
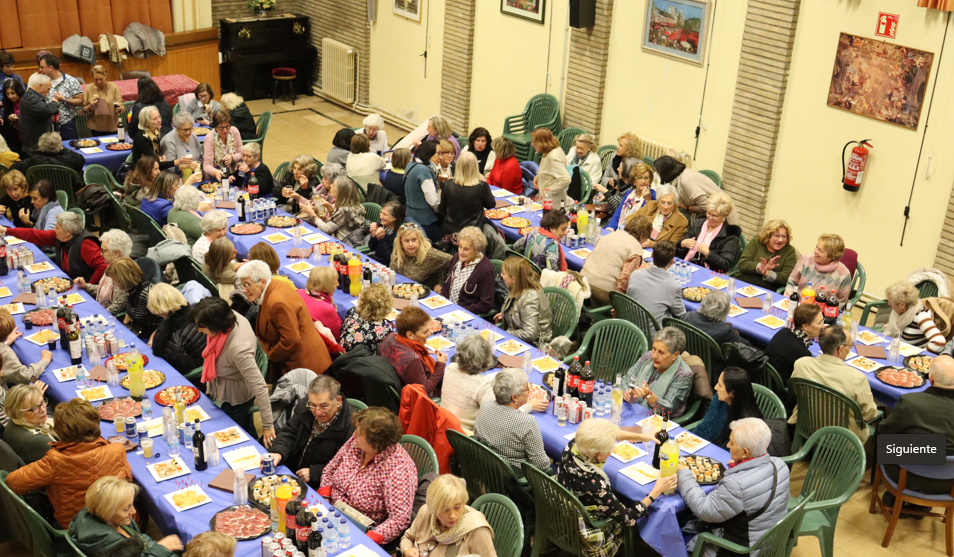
pixel 586 75
pixel 458 62
pixel 222 9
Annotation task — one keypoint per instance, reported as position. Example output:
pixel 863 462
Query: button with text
pixel 915 448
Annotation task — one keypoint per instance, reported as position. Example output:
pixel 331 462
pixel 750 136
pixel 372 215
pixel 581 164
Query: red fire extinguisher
pixel 851 179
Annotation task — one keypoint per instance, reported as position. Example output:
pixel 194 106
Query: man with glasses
pixel 319 426
pixel 829 369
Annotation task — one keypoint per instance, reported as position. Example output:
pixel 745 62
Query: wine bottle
pixel 198 448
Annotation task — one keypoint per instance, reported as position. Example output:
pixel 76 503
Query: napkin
pixel 751 303
pixel 511 361
pixel 501 203
pixel 224 204
pixel 98 373
pixel 400 303
pixel 26 298
pixel 300 253
pixel 871 352
pixel 226 480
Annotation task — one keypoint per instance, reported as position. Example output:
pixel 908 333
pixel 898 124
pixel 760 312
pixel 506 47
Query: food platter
pixel 93 394
pixel 120 360
pixel 120 146
pixel 512 347
pixel 41 317
pixel 496 214
pixel 627 452
pixel 267 484
pixel 641 473
pixel 706 470
pixel 150 377
pixel 167 396
pixel 407 289
pixel 900 378
pixel 695 293
pixel 84 143
pixel 201 131
pixel 689 443
pixel 515 222
pixel 67 373
pixel 325 248
pixel 242 522
pixel 545 364
pixel 246 228
pixel 168 469
pixel 229 436
pixel 771 321
pixel 439 343
pixel 210 187
pixel 920 364
pixel 282 222
pixel 749 291
pixel 187 498
pixel 125 407
pixel 42 338
pixel 60 285
pixel 717 282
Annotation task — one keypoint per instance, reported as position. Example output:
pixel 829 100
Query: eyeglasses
pixel 323 407
pixel 777 236
pixel 223 127
pixel 245 286
pixel 38 407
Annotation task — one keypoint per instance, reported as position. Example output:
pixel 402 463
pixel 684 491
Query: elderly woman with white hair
pixel 50 151
pixel 114 244
pixel 580 470
pixel 214 224
pixel 106 522
pixel 668 222
pixel 752 495
pixel 513 435
pixel 585 156
pixel 446 526
pixel 30 431
pixel 660 379
pixel 77 251
pixel 913 318
pixel 374 129
pixel 148 141
pixel 712 242
pixel 710 318
pixel 470 275
pixel 181 143
pixel 329 173
pixel 185 212
pixel 241 116
pixel 252 165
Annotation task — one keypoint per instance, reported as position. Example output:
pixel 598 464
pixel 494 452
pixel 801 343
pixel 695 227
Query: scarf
pixel 223 152
pixel 898 321
pixel 713 424
pixel 658 222
pixel 586 464
pixel 153 136
pixel 800 333
pixel 46 428
pixel 631 204
pixel 469 522
pixel 324 297
pixel 553 237
pixel 213 348
pixel 420 350
pixel 104 294
pixel 482 157
pixel 704 238
pixel 824 269
pixel 734 464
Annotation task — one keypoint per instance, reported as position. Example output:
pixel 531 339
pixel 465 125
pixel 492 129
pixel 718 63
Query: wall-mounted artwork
pixel 534 10
pixel 880 80
pixel 677 28
pixel 410 9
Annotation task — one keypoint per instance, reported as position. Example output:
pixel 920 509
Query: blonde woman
pixel 712 242
pixel 367 323
pixel 465 196
pixel 627 146
pixel 211 544
pixel 176 338
pixel 342 218
pixel 146 143
pixel 220 266
pixel 526 311
pixel 445 161
pixel 102 102
pixel 415 258
pixel 584 156
pixel 552 178
pixel 318 295
pixel 157 200
pixel 823 268
pixel 910 317
pixel 394 178
pixel 241 116
pixel 107 521
pixel 30 430
pixel 16 198
pixel 641 176
pixel 769 258
pixel 439 128
pixel 447 526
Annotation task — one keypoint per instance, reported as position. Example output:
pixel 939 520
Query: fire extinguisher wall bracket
pixel 851 177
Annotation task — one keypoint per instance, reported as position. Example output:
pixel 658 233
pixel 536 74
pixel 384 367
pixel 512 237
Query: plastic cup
pixel 120 424
pixel 146 444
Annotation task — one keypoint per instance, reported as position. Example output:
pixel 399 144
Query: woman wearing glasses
pixel 414 257
pixel 223 147
pixel 12 370
pixel 712 242
pixel 30 430
pixel 769 258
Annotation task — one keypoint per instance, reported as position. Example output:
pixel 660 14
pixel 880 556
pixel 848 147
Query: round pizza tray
pixel 231 229
pixel 251 490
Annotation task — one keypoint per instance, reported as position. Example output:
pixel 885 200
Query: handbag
pixel 698 526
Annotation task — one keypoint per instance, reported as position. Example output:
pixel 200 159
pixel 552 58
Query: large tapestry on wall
pixel 880 80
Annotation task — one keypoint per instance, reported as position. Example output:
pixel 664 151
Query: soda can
pixel 279 538
pixel 287 542
pixel 113 345
pixel 268 464
pixel 267 541
pixel 557 405
pixel 131 427
pixel 574 414
pixel 182 434
pixel 143 430
pixel 289 552
pixel 278 553
pixel 100 341
pixel 587 413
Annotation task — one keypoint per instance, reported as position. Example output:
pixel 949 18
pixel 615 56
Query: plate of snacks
pixel 782 304
pixel 771 322
pixel 496 214
pixel 582 253
pixel 4 292
pixel 526 230
pixel 864 364
pixel 717 282
pixel 920 364
pixel 407 289
pixel 546 364
pixel 300 267
pixel 93 394
pixel 188 498
pixel 67 373
pixel 901 378
pixel 641 473
pixel 201 131
pixel 42 338
pixel 513 209
pixel 14 309
pixel 261 489
pixel 210 187
pixel 282 222
pixel 41 317
pixel 749 291
pixel 120 360
pixel 656 423
pixel 458 316
pixel 150 377
pixel 241 522
pixel 491 335
pixel 695 293
pixel 515 222
pixel 71 299
pixel 246 228
pixel 689 443
pixel 705 470
pixel 868 337
pixel 276 238
pixel 168 469
pixel 125 407
pixel 435 302
pixel 43 267
pixel 627 452
pixel 120 146
pixel 439 343
pixel 512 347
pixel 230 436
pixel 167 396
pixel 246 458
pixel 735 311
pixel 325 248
pixel 84 143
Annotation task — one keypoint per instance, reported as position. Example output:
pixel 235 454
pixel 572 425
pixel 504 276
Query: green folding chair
pixel 280 172
pixel 118 218
pixel 261 128
pixel 768 402
pixel 357 404
pixel 372 211
pixel 512 253
pixel 505 520
pixel 188 269
pixel 612 346
pixel 926 289
pixel 776 542
pixel 98 174
pixel 858 285
pixel 563 310
pixel 649 160
pixel 606 154
pixel 712 175
pixel 541 111
pixel 483 469
pixel 63 179
pixel 630 310
pixel 820 406
pixel 567 139
pixel 82 130
pixel 145 225
pixel 381 394
pixel 698 343
pixel 26 527
pixel 834 472
pixel 422 453
pixel 63 199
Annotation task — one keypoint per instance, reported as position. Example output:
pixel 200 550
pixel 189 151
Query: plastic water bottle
pixel 331 538
pixel 344 534
pixel 189 432
pixel 173 441
pixel 81 377
pixel 731 288
pixel 272 208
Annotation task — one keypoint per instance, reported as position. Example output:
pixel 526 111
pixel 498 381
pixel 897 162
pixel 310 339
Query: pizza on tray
pixel 496 214
pixel 515 222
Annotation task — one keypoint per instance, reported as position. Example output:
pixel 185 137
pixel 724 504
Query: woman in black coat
pixel 138 317
pixel 381 242
pixel 242 118
pixel 150 95
pixel 177 339
pixel 464 197
pixel 788 345
pixel 720 252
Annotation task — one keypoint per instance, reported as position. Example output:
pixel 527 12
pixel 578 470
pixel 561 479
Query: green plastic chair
pixel 606 153
pixel 776 542
pixel 280 172
pixel 834 472
pixel 542 111
pixel 79 212
pixel 612 346
pixel 144 224
pixel 422 453
pixel 698 343
pixel 630 310
pixel 858 285
pixel 25 526
pixel 362 183
pixel 381 394
pixel 712 175
pixel 649 160
pixel 98 174
pixel 498 266
pixel 62 178
pixel 926 289
pixel 372 211
pixel 558 513
pixel 189 269
pixel 512 253
pixel 63 199
pixel 565 314
pixel 82 130
pixel 768 402
pixel 506 522
pixel 734 269
pixel 261 129
pixel 175 109
pixel 567 139
pixel 586 188
pixel 483 469
pixel 357 404
pixel 820 406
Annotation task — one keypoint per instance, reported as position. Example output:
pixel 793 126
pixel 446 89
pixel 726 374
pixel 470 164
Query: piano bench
pixel 284 78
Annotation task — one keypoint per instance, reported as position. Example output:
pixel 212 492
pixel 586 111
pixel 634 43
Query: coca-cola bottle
pixel 292 508
pixel 573 215
pixel 341 265
pixel 253 187
pixel 303 529
pixel 573 378
pixel 832 308
pixel 587 383
pixel 821 299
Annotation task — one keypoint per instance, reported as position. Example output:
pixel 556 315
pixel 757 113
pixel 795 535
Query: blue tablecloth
pixel 186 524
pixel 110 159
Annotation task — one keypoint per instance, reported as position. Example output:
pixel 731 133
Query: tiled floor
pixel 307 127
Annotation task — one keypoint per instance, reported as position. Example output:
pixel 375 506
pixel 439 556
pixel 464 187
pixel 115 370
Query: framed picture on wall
pixel 677 28
pixel 410 9
pixel 534 10
pixel 880 80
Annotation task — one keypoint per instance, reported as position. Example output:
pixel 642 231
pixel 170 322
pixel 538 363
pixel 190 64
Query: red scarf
pixel 553 237
pixel 421 350
pixel 734 464
pixel 213 348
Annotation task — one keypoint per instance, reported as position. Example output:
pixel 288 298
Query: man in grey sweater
pixel 654 288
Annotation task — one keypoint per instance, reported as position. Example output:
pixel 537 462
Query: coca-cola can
pixel 279 537
pixel 267 544
pixel 289 552
pixel 587 413
pixel 278 553
pixel 113 345
pixel 557 405
pixel 574 414
pixel 288 543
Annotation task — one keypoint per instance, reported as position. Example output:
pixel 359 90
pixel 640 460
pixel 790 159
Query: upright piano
pixel 252 47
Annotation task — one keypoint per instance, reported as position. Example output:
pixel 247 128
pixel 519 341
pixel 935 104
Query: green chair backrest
pixel 734 269
pixel 363 181
pixel 280 172
pixel 766 376
pixel 926 288
pixel 558 512
pixel 63 199
pixel 82 130
pixel 98 174
pixel 498 266
pixel 567 139
pixel 261 358
pixel 606 153
pixel 189 269
pixel 768 402
pixel 820 406
pixel 62 178
pixel 175 109
pixel 612 346
pixel 357 404
pixel 145 225
pixel 422 453
pixel 463 141
pixel 712 175
pixel 261 129
pixel 26 526
pixel 543 111
pixel 505 521
pixel 698 343
pixel 79 212
pixel 858 285
pixel 372 211
pixel 834 470
pixel 776 542
pixel 381 394
pixel 483 469
pixel 649 160
pixel 630 310
pixel 564 314
pixel 586 186
pixel 512 253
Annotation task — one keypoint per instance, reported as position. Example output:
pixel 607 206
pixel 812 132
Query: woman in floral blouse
pixel 542 244
pixel 580 470
pixel 367 323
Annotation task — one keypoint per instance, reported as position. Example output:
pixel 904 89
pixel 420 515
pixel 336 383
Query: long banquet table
pixel 186 524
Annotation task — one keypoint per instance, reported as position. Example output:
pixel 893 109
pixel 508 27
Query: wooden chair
pixel 902 494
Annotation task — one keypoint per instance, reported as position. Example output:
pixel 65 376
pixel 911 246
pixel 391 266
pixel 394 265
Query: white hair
pixel 116 239
pixel 255 270
pixel 50 142
pixel 715 306
pixel 507 384
pixel 673 338
pixel 144 117
pixel 373 121
pixel 666 189
pixel 230 101
pixel 333 171
pixel 38 79
pixel 214 220
pixel 187 199
pixel 596 436
pixel 474 355
pixel 70 221
pixel 752 434
pixel 251 148
pixel 182 117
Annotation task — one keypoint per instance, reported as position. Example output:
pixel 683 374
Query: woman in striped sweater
pixel 911 318
pixel 824 269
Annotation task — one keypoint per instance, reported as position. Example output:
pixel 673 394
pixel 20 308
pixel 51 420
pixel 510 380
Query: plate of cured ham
pixel 242 522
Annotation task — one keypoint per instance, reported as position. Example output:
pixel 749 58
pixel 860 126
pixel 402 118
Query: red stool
pixel 284 78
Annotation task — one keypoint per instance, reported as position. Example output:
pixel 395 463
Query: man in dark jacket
pixel 318 427
pixel 36 113
pixel 50 151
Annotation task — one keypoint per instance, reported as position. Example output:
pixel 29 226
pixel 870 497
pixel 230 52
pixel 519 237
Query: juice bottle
pixel 668 460
pixel 282 496
pixel 582 220
pixel 137 387
pixel 354 272
pixel 808 294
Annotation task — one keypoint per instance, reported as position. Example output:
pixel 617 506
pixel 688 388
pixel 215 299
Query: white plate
pixel 541 364
pixel 910 350
pixel 860 363
pixel 11 241
pixel 197 490
pixel 29 338
pixel 14 309
pixel 301 267
pixel 435 302
pixel 245 457
pixel 582 253
pixel 315 239
pixel 105 388
pixel 639 452
pixel 874 338
pixel 4 292
pixel 439 342
pixel 735 311
pixel 276 238
pixel 513 209
pixel 767 322
pixel 693 441
pixel 717 283
pixel 782 304
pixel 491 335
pixel 642 473
pixel 459 316
pixel 60 375
pixel 569 436
pixel 749 291
pixel 152 469
pixel 69 299
pixel 511 351
pixel 222 444
pixel 39 267
pixel 645 422
pixel 91 150
pixel 501 193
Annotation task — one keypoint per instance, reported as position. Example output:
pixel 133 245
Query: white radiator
pixel 655 149
pixel 338 65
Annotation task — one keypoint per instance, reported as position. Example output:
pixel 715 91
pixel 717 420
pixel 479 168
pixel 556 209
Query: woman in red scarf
pixel 542 245
pixel 407 352
pixel 230 372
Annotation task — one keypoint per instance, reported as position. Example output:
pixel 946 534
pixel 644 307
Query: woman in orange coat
pixel 78 459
